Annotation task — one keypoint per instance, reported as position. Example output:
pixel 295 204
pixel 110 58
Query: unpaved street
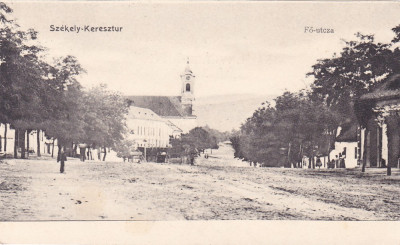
pixel 216 188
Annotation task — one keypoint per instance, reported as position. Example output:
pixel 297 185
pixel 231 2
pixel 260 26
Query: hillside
pixel 227 112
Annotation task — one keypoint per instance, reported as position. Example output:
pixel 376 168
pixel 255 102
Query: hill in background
pixel 227 112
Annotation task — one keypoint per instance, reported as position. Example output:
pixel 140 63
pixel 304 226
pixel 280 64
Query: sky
pixel 233 47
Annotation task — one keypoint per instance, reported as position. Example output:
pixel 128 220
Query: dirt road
pixel 216 188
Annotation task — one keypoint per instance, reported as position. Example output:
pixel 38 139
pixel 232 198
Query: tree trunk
pixel 38 142
pixel 5 138
pixel 52 149
pixel 365 150
pixel 74 151
pixel 105 153
pixel 288 156
pixel 393 142
pixel 329 151
pixel 301 155
pixel 59 152
pixel 23 145
pixel 313 161
pixel 27 143
pixel 16 143
pixel 90 157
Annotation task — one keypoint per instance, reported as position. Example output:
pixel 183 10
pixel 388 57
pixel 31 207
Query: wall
pixel 155 133
pixel 351 156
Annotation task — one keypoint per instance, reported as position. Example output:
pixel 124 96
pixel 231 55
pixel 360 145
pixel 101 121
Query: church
pixel 152 120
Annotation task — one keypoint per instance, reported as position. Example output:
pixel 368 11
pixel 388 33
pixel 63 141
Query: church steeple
pixel 187 92
pixel 187 69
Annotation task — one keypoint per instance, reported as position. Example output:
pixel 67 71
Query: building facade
pixel 148 129
pixel 379 114
pixel 346 145
pixel 152 120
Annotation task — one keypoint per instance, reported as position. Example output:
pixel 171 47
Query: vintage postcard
pixel 199 122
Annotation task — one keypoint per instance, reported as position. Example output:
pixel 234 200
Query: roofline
pixel 382 98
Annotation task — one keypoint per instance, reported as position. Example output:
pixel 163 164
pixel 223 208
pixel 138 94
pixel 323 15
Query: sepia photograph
pixel 196 112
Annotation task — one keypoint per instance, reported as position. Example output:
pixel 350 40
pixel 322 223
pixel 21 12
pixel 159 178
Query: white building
pixel 148 129
pixel 175 111
pixel 346 145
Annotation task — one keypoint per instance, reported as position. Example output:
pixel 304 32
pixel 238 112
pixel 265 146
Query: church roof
pixel 164 106
pixel 388 89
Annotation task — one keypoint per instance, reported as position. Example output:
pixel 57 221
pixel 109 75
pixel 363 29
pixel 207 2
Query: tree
pixel 124 148
pixel 197 139
pixel 282 135
pixel 359 67
pixel 65 100
pixel 105 113
pixel 20 76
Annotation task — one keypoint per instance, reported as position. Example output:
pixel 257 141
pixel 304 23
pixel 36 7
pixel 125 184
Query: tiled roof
pixel 164 106
pixel 348 133
pixel 143 113
pixel 389 88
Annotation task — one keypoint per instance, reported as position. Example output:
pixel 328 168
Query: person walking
pixel 61 158
pixel 82 152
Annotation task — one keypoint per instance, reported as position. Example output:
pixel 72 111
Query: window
pixel 188 87
pixel 355 152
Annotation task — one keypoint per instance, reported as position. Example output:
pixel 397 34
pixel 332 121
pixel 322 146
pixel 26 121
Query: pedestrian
pixel 383 163
pixel 319 163
pixel 82 152
pixel 337 160
pixel 342 162
pixel 62 158
pixel 331 164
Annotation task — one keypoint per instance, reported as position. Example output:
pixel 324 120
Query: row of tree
pixel 303 124
pixel 281 135
pixel 46 96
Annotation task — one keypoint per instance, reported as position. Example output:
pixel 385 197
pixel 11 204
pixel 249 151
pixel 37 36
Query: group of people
pixel 338 162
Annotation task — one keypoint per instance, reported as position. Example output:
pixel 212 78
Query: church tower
pixel 187 92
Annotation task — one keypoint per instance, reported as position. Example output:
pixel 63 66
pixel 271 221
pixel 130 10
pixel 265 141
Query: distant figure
pixel 61 158
pixel 342 162
pixel 383 163
pixel 331 164
pixel 337 159
pixel 82 152
pixel 319 163
pixel 192 154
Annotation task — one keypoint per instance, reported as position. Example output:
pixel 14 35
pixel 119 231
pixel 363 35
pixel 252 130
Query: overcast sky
pixel 253 47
